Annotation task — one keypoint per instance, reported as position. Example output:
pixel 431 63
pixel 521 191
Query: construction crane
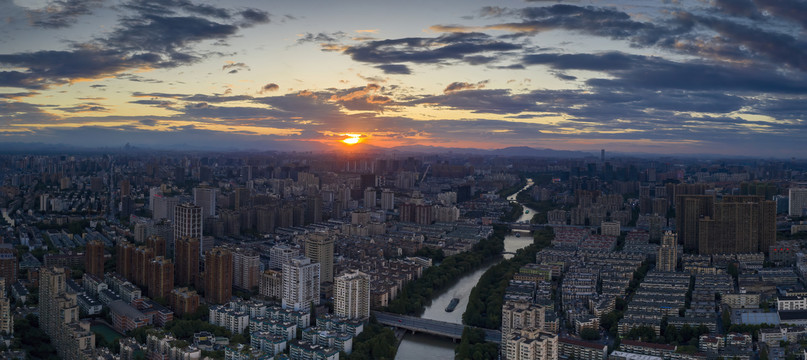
pixel 426 172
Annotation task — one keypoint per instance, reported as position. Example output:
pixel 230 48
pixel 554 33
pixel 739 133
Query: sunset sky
pixel 651 76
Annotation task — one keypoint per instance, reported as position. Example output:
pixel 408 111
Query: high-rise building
pixel 164 207
pixel 188 223
pixel 265 218
pixel 352 295
pixel 319 248
pixel 187 261
pixel 271 284
pixel 689 209
pixel 157 244
pixel 125 187
pixel 160 277
pixel 205 197
pixel 368 180
pixel 369 198
pixel 530 344
pixel 142 258
pixel 797 201
pixel 241 198
pixel 6 316
pixel 94 258
pixel 125 259
pixel 387 200
pixel 741 224
pixel 611 228
pixel 518 315
pixel 8 265
pixel 667 259
pixel 58 316
pixel 218 275
pixel 301 284
pixel 246 268
pixel 313 208
pixel 183 301
pixel 43 202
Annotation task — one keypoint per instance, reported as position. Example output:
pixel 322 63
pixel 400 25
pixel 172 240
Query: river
pixel 425 347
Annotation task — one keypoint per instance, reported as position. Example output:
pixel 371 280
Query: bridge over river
pixel 431 327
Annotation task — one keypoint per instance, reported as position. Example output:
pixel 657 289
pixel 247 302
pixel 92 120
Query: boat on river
pixel 452 305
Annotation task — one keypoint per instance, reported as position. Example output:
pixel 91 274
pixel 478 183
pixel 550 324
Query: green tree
pixel 590 334
pixel 726 318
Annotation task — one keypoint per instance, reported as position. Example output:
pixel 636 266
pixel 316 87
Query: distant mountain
pixel 525 151
pixel 515 151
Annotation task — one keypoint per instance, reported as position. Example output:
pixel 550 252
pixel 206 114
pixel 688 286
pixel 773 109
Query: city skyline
pixel 664 77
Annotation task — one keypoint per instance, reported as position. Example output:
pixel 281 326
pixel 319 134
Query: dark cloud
pixel 596 62
pixel 48 68
pixel 320 38
pixel 171 7
pixel 494 101
pixel 61 13
pixel 742 8
pixel 792 10
pixel 564 76
pixel 158 34
pixel 479 59
pixel 741 41
pixel 148 122
pixel 18 95
pixel 159 95
pixel 164 37
pixel 254 16
pixel 232 114
pixel 746 35
pixel 459 86
pixel 137 78
pixel 394 69
pixel 21 112
pixel 493 11
pixel 86 107
pixel 366 98
pixel 154 102
pixel 270 87
pixel 631 71
pixel 235 67
pixel 449 47
pixel 603 22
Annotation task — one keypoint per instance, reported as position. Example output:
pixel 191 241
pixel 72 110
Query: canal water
pixel 425 347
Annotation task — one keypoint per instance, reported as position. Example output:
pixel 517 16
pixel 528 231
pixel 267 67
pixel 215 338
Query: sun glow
pixel 352 139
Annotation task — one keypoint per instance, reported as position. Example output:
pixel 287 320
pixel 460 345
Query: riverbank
pixel 485 303
pixel 419 293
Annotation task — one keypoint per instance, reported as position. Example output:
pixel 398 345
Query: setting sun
pixel 352 139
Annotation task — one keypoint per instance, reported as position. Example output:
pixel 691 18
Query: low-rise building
pixel 125 317
pixel 623 355
pixel 640 347
pixel 791 303
pixel 581 350
pixel 88 305
pixel 303 350
pixel 741 300
pixel 234 320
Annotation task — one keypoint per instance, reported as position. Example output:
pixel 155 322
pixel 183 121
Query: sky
pixel 648 76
